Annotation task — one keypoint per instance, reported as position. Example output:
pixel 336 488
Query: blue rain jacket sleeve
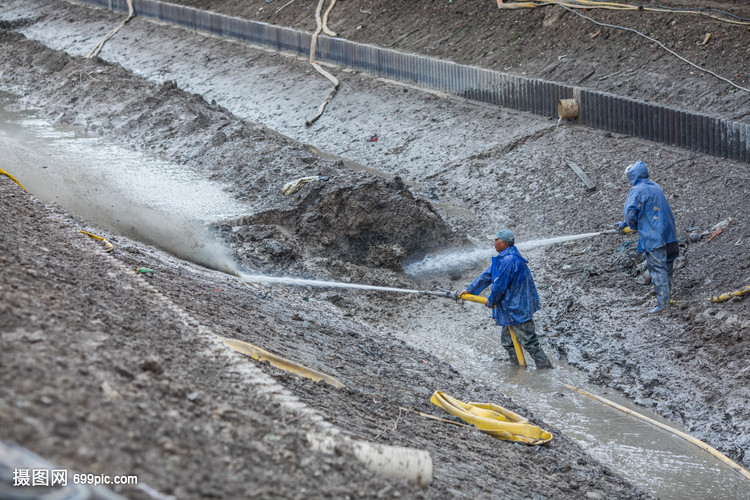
pixel 648 212
pixel 512 288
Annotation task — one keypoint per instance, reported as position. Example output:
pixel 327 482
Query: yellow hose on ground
pixel 493 420
pixel 325 19
pixel 279 362
pixel 3 172
pixel 516 345
pixel 106 242
pixel 726 296
pixel 700 444
pixel 433 417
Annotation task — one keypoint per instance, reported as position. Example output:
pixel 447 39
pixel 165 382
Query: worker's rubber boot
pixel 541 359
pixel 544 365
pixel 662 299
pixel 512 357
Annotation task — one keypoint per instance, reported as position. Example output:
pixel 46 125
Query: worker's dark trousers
pixel 660 263
pixel 528 340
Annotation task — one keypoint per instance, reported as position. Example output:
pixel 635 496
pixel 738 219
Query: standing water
pixel 138 195
pixel 661 463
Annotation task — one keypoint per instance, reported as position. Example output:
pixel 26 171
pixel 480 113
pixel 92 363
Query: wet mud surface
pixel 687 364
pixel 552 43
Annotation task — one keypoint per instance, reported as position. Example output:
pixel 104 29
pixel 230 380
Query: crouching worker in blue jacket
pixel 648 212
pixel 513 298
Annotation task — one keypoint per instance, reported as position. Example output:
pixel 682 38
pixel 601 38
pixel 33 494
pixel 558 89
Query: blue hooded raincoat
pixel 647 211
pixel 512 291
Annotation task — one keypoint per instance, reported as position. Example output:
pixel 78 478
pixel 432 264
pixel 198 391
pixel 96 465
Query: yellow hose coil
pixel 279 362
pixel 726 296
pixel 700 444
pixel 493 420
pixel 3 172
pixel 106 242
pixel 516 345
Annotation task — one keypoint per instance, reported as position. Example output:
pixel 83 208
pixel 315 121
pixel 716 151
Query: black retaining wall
pixel 685 129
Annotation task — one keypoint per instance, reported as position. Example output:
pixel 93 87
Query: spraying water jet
pixel 457 259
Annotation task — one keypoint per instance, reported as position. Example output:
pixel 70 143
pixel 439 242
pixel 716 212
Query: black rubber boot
pixel 512 356
pixel 544 365
pixel 541 359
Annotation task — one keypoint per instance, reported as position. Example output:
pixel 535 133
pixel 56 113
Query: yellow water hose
pixel 433 417
pixel 279 362
pixel 109 246
pixel 726 296
pixel 700 444
pixel 516 345
pixel 589 4
pixel 95 51
pixel 3 172
pixel 493 420
pixel 474 298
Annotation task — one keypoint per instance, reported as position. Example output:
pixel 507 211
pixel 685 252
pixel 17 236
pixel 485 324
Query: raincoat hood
pixel 514 252
pixel 636 172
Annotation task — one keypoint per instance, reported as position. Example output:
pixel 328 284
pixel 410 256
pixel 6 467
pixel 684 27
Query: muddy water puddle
pixel 74 170
pixel 115 188
pixel 659 462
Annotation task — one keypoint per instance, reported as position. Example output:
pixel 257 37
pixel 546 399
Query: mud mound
pixel 351 218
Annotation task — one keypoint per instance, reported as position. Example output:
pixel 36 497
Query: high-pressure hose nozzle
pixel 450 294
pixel 442 293
pixel 457 296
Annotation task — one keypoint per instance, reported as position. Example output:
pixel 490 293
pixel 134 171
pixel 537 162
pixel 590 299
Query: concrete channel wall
pixel 674 127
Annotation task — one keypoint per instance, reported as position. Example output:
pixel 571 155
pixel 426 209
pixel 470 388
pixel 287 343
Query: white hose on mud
pixel 392 461
pixel 95 51
pixel 322 25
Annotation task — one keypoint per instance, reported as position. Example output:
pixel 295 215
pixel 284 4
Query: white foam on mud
pixel 459 259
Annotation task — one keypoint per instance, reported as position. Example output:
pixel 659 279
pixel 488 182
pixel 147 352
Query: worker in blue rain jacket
pixel 513 298
pixel 647 211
